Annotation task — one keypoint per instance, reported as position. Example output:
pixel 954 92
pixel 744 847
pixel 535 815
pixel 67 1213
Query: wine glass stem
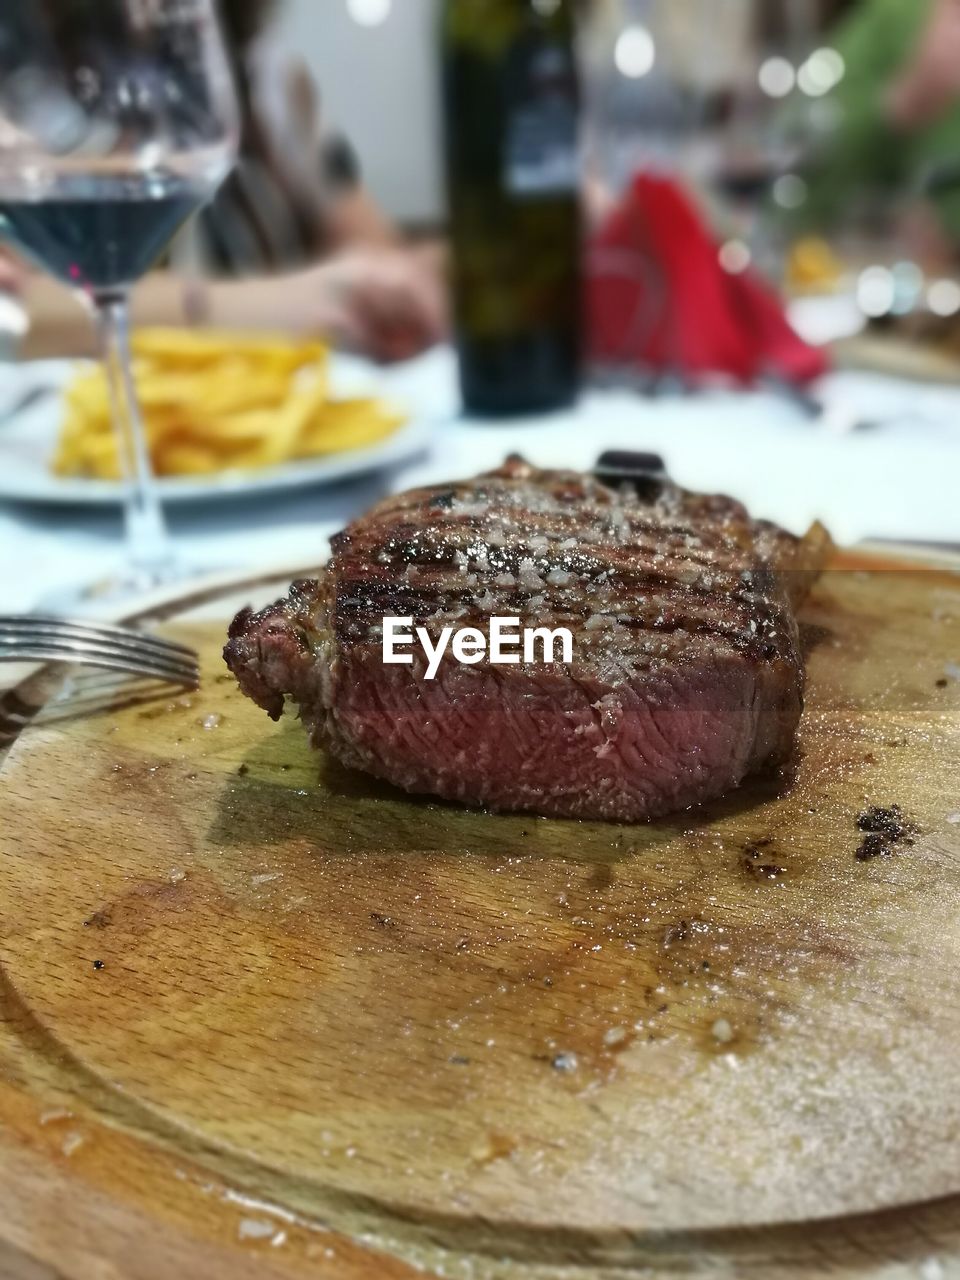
pixel 148 542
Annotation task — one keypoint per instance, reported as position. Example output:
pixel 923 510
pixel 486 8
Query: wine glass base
pixel 107 596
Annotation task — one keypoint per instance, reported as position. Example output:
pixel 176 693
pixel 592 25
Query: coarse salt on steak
pixel 686 672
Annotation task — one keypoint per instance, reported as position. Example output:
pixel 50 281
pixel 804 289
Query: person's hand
pixel 389 304
pixel 385 303
pixel 930 81
pixel 11 275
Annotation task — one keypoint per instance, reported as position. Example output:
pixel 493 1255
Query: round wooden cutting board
pixel 267 1017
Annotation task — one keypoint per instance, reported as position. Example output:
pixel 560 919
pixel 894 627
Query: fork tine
pixel 92 630
pixel 93 644
pixel 78 648
pixel 181 675
pixel 41 652
pixel 105 647
pixel 130 643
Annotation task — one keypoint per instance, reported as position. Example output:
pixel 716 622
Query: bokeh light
pixel 776 77
pixel 789 191
pixel 876 292
pixel 369 13
pixel 635 52
pixel 943 297
pixel 734 257
pixel 821 72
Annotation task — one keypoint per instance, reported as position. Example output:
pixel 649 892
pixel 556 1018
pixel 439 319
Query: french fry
pixel 218 402
pixel 349 424
pixel 186 460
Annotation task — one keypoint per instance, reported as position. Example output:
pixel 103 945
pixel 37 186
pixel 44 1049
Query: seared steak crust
pixel 686 672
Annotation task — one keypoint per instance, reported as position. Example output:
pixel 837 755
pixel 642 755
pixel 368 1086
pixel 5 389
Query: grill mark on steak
pixel 686 676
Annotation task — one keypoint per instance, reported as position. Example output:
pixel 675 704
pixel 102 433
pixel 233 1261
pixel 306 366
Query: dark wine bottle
pixel 511 114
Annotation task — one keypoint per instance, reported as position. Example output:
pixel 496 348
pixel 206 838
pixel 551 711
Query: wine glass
pixel 118 119
pixel 769 129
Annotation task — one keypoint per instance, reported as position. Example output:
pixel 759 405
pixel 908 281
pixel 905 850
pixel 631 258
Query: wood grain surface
pixel 266 1017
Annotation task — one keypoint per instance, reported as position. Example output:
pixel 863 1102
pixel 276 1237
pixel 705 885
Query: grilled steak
pixel 686 673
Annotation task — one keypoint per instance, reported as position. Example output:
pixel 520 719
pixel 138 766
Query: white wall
pixel 380 84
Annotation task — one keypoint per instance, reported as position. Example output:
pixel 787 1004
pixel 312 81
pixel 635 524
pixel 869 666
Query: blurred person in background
pixel 929 84
pixel 292 241
pixel 893 146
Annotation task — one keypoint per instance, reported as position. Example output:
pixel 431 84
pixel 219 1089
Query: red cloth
pixel 658 298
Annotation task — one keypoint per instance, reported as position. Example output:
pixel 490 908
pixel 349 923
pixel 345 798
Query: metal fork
pixel 92 644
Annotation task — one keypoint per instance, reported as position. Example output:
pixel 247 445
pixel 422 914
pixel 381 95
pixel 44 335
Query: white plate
pixel 28 440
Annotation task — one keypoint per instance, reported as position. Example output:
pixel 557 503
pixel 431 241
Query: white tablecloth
pixel 899 480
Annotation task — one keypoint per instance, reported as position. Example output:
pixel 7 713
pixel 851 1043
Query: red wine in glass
pixel 101 237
